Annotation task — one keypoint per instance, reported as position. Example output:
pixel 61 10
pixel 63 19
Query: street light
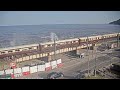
pixel 95 59
pixel 93 44
pixel 88 55
pixel 54 47
pixel 54 38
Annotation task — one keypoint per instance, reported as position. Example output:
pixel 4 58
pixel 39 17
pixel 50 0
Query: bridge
pixel 33 51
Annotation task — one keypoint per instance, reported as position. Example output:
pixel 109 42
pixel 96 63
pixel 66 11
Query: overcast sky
pixel 57 17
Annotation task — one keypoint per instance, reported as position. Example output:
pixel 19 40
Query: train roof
pixel 98 35
pixel 16 47
pixel 59 41
pixel 68 40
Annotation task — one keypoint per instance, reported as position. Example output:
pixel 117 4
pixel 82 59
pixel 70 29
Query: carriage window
pixel 2 52
pixel 9 51
pixel 81 40
pixel 17 50
pixel 48 45
pixel 67 42
pixel 42 46
pixel 30 48
pixel 24 49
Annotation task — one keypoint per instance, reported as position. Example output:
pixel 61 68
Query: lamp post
pixel 54 48
pixel 95 59
pixel 54 38
pixel 88 55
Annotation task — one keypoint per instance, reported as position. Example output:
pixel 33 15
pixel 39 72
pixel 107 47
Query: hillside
pixel 115 22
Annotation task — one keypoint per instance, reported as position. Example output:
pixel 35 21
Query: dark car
pixel 55 75
pixel 79 76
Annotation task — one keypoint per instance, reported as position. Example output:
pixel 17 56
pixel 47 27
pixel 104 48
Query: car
pixel 55 75
pixel 79 75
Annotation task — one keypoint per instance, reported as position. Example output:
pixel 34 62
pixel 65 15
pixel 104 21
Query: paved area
pixel 73 65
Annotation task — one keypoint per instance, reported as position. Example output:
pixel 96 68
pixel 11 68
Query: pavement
pixel 73 65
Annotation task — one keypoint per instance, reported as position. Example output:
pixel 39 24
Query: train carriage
pixel 41 46
pixel 18 48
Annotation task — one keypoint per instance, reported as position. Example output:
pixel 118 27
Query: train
pixel 41 46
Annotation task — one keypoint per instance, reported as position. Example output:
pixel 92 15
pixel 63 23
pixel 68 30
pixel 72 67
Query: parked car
pixel 79 75
pixel 55 75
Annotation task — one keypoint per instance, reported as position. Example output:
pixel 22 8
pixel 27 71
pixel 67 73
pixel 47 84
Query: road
pixel 72 66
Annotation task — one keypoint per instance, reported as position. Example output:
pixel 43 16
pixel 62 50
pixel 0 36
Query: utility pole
pixel 54 38
pixel 103 39
pixel 54 48
pixel 88 55
pixel 92 49
pixel 95 59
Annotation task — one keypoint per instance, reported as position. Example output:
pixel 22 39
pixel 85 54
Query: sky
pixel 11 18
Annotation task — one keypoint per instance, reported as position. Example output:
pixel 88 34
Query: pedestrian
pixel 82 55
pixel 79 55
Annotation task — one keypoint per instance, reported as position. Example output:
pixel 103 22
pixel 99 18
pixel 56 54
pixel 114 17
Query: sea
pixel 11 36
